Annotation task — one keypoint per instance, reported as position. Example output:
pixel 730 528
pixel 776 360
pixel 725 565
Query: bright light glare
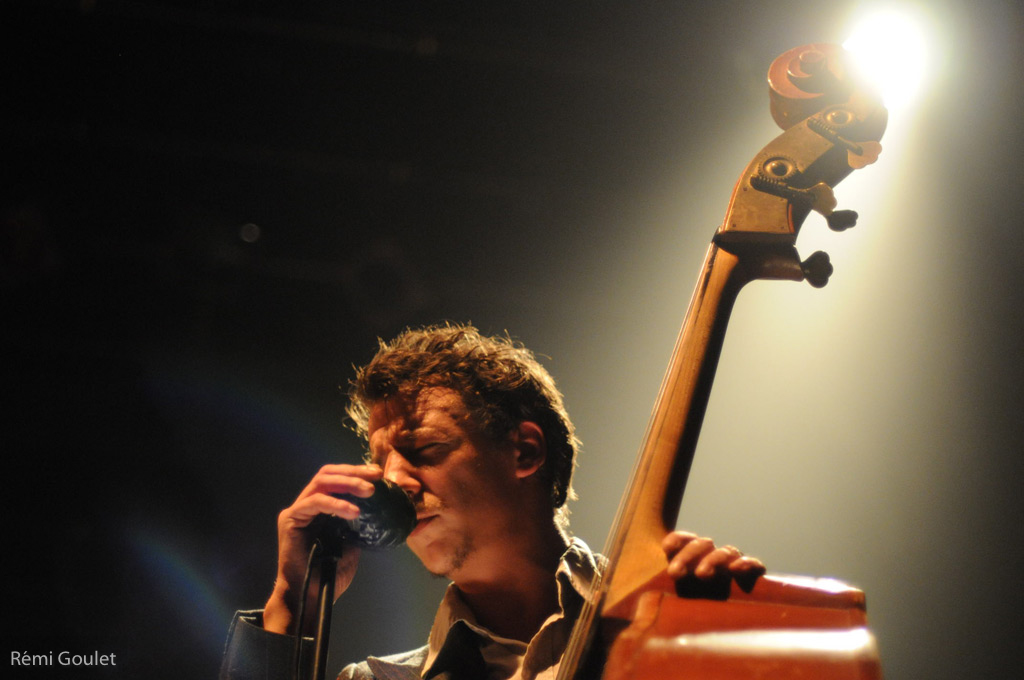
pixel 890 48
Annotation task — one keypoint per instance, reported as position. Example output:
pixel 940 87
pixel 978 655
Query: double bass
pixel 640 623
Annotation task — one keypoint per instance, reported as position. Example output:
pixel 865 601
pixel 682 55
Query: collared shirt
pixel 508 659
pixel 253 653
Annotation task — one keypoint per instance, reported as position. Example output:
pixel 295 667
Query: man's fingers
pixel 675 540
pixel 355 480
pixel 689 557
pixel 697 555
pixel 717 560
pixel 747 565
pixel 305 510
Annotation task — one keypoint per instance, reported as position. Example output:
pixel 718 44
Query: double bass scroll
pixel 639 626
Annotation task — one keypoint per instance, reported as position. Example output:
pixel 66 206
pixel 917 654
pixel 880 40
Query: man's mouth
pixel 422 520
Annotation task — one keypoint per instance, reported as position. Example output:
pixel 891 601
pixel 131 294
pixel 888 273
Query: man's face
pixel 463 484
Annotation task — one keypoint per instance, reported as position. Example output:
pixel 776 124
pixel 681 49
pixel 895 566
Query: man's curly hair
pixel 501 383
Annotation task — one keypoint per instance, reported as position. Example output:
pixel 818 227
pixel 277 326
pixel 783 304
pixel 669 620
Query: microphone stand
pixel 385 519
pixel 328 566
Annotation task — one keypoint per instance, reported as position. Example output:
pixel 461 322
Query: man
pixel 475 431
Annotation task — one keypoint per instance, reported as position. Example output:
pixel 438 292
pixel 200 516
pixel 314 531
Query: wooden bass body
pixel 784 628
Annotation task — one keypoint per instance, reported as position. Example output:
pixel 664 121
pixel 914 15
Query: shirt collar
pixel 576 578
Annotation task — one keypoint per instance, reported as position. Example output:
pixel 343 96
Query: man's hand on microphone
pixel 294 540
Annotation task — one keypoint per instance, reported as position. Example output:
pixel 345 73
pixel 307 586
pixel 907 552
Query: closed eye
pixel 430 452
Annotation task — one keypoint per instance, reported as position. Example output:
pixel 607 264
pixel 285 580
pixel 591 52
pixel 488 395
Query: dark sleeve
pixel 253 653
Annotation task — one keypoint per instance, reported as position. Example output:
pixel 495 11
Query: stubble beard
pixel 456 560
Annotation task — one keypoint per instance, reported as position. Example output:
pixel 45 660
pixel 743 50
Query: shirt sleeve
pixel 252 653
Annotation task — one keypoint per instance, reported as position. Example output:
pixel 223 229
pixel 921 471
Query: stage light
pixel 890 47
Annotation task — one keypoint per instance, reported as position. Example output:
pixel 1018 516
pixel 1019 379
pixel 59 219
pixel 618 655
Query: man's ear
pixel 530 447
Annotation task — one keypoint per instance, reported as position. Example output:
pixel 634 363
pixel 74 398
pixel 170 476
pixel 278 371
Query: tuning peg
pixel 820 198
pixel 858 154
pixel 823 199
pixel 869 152
pixel 817 269
pixel 841 220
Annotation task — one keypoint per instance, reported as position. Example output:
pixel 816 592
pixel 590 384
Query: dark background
pixel 210 211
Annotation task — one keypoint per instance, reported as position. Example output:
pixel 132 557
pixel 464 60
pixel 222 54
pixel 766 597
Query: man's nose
pixel 398 470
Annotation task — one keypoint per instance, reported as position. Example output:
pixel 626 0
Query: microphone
pixel 385 520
